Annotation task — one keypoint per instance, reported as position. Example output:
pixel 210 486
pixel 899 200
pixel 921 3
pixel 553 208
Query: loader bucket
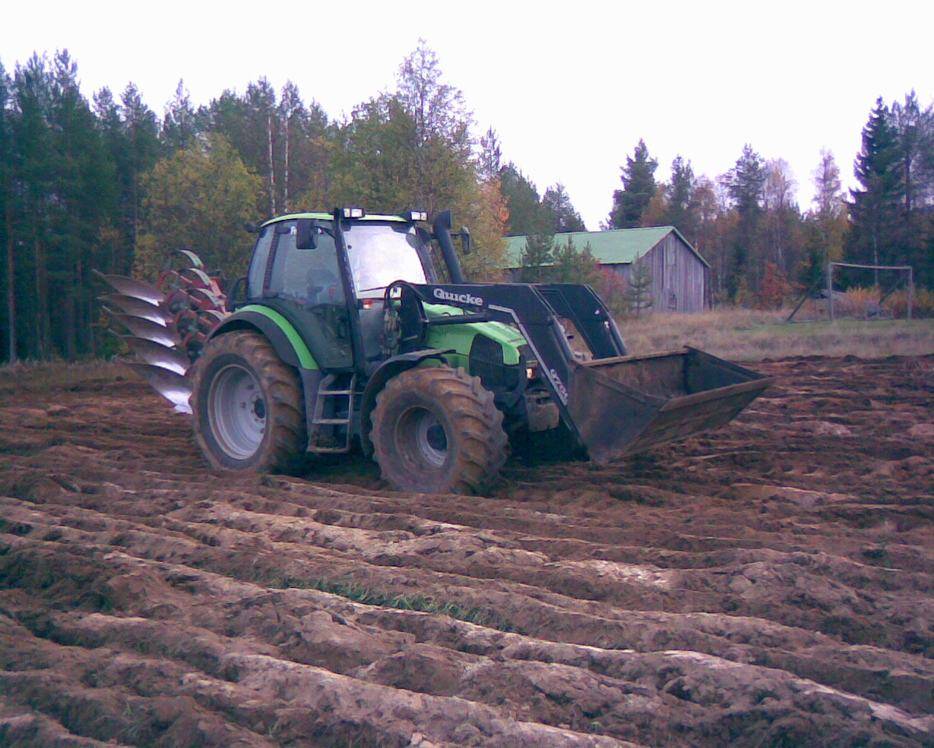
pixel 624 405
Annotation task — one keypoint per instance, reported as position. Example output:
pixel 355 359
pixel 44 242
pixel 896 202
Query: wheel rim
pixel 237 411
pixel 422 436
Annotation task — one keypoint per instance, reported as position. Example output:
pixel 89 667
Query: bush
pixel 774 288
pixel 922 306
pixel 612 289
pixel 858 302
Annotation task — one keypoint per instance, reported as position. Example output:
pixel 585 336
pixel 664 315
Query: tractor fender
pixel 387 370
pixel 283 336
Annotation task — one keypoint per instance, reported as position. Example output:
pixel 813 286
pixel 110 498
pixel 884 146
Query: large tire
pixel 247 405
pixel 437 430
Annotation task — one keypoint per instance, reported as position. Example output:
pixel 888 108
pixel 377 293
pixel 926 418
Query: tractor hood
pixel 461 337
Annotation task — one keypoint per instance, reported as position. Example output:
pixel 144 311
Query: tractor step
pixel 328 432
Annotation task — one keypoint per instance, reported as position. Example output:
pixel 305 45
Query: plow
pixel 166 325
pixel 360 331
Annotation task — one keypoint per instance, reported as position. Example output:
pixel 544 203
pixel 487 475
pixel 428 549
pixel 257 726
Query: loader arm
pixel 526 308
pixel 614 404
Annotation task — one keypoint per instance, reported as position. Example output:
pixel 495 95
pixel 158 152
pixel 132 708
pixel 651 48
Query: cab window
pixel 310 277
pixel 258 263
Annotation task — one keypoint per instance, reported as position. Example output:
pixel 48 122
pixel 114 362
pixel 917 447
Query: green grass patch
pixel 421 603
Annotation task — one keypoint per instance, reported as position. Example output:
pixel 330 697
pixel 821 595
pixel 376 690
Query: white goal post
pixel 904 268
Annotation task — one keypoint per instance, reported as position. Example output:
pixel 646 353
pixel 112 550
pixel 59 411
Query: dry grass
pixel 746 335
pixel 869 303
pixel 737 334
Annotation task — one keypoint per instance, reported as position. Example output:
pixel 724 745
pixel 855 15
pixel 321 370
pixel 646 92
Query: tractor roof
pixel 329 216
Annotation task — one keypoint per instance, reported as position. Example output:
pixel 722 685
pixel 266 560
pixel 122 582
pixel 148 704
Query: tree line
pixel 108 184
pixel 760 243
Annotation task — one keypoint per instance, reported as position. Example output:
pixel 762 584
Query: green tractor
pixel 353 329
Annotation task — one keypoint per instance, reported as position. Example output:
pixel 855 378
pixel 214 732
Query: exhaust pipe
pixel 442 227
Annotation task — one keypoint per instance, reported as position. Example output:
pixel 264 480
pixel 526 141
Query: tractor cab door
pixel 378 254
pixel 304 285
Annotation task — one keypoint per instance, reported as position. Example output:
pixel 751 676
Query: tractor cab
pixel 327 273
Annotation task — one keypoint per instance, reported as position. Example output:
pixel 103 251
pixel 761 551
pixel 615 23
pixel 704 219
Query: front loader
pixel 361 329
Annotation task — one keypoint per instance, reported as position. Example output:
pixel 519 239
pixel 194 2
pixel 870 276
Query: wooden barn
pixel 679 273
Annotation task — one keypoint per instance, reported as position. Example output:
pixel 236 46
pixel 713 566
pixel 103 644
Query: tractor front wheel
pixel 247 405
pixel 437 430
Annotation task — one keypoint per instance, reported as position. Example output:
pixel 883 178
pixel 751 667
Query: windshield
pixel 380 254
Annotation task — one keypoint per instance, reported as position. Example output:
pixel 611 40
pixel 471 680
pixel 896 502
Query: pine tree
pixel 526 216
pixel 537 258
pixel 489 162
pixel 639 292
pixel 181 122
pixel 638 177
pixel 141 131
pixel 291 117
pixel 914 128
pixel 876 206
pixel 306 153
pixel 8 265
pixel 682 209
pixel 744 183
pixel 80 196
pixel 572 265
pixel 115 248
pixel 557 204
pixel 32 177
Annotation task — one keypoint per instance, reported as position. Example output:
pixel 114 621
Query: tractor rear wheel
pixel 437 430
pixel 247 405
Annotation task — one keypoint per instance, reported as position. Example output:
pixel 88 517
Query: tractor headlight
pixel 415 215
pixel 353 212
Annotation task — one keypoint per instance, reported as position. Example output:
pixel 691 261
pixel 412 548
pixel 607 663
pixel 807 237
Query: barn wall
pixel 677 276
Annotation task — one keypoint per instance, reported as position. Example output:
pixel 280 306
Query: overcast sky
pixel 569 86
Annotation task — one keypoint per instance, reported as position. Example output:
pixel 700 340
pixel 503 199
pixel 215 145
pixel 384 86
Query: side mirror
pixel 306 233
pixel 466 246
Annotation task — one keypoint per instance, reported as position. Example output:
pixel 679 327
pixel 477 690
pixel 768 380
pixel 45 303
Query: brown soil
pixel 767 584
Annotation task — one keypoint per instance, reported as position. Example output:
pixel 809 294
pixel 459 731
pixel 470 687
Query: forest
pixel 108 184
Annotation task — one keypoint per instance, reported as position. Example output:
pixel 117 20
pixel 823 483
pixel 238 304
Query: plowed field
pixel 769 583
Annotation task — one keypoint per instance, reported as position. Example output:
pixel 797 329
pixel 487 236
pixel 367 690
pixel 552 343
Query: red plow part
pixel 166 324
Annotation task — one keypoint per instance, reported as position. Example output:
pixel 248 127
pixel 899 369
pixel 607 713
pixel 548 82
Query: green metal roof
pixel 618 246
pixel 329 216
